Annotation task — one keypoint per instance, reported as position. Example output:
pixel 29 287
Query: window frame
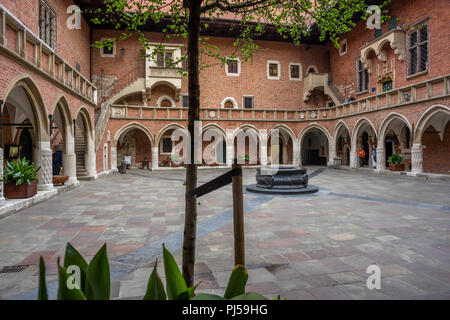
pixel 358 77
pixel 161 151
pixel 243 101
pixel 269 62
pixel 52 31
pixel 417 26
pixel 183 96
pixel 232 74
pixel 300 71
pixel 108 55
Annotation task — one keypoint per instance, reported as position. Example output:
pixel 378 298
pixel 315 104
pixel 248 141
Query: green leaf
pixel 73 257
pixel 175 284
pixel 64 292
pixel 250 296
pixel 98 281
pixel 42 293
pixel 155 287
pixel 237 282
pixel 207 296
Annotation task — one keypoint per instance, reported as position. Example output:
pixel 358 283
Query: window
pixel 166 103
pixel 311 69
pixel 295 71
pixel 248 102
pixel 343 47
pixel 166 145
pixel 393 23
pixel 273 70
pixel 164 59
pixel 233 67
pixel 378 33
pixel 228 104
pixel 362 77
pixel 109 48
pixel 418 50
pixel 185 101
pixel 47 24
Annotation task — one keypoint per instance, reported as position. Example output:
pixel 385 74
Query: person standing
pixel 374 156
pixel 361 155
pixel 57 160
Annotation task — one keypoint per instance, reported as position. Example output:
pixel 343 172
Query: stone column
pixel 70 166
pixel 155 157
pixel 353 157
pixel 2 197
pixel 416 158
pixel 114 158
pixel 230 154
pixel 381 159
pixel 70 158
pixel 296 154
pixel 44 159
pixel 263 148
pixel 331 156
pixel 90 156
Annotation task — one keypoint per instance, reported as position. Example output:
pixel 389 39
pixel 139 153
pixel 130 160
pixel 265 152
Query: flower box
pixel 397 167
pixel 59 180
pixel 22 191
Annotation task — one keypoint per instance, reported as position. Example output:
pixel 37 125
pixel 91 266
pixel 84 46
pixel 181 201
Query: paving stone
pixel 345 277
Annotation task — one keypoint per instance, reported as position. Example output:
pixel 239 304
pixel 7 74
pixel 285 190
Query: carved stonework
pixel 118 112
pixel 417 158
pixel 46 172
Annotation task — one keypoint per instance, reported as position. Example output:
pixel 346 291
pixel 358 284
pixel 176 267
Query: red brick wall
pixel 343 68
pixel 436 152
pixel 72 45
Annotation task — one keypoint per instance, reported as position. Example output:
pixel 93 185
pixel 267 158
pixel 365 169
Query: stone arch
pixel 229 99
pixel 288 153
pixel 125 143
pixel 63 132
pixel 130 126
pixel 311 68
pixel 169 127
pixel 165 97
pixel 431 148
pixel 391 136
pixel 84 144
pixel 221 152
pixel 428 115
pixel 341 147
pixel 162 156
pixel 366 125
pixel 25 104
pixel 310 154
pixel 261 141
pixel 36 100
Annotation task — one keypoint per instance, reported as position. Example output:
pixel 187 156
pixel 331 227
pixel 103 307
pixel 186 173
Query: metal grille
pixel 362 76
pixel 418 50
pixel 47 24
pixel 248 102
pixel 13 269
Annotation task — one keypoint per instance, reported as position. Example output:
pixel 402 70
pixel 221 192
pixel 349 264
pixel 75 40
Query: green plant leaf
pixel 98 281
pixel 64 292
pixel 207 296
pixel 250 296
pixel 73 257
pixel 42 293
pixel 175 284
pixel 237 282
pixel 155 287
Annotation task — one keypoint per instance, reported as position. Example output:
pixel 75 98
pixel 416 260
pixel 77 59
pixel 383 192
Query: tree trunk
pixel 190 219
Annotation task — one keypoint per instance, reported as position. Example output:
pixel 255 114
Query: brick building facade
pixel 386 89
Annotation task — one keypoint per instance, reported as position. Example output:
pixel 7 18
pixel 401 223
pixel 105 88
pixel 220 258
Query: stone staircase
pixel 80 151
pixel 322 82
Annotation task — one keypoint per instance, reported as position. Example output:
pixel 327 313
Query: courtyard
pixel 315 246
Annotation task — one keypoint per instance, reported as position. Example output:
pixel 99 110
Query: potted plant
pixel 247 159
pixel 396 163
pixel 20 179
